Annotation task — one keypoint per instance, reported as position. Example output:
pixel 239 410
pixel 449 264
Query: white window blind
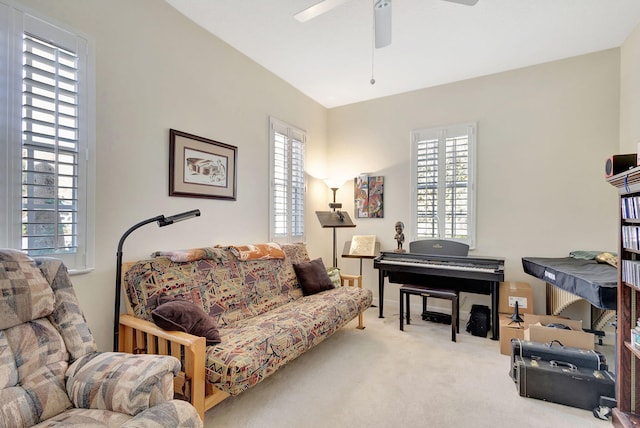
pixel 287 203
pixel 443 162
pixel 49 148
pixel 50 140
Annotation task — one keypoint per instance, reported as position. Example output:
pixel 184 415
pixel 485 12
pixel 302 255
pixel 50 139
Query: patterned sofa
pixel 263 317
pixel 50 372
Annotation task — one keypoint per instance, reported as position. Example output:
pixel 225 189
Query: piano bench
pixel 407 290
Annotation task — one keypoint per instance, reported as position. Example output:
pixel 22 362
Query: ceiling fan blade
pixel 318 9
pixel 382 23
pixel 467 2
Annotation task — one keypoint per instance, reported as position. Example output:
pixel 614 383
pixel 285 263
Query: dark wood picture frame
pixel 200 167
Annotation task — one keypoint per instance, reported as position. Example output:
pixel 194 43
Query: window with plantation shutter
pixel 49 142
pixel 443 173
pixel 49 149
pixel 287 202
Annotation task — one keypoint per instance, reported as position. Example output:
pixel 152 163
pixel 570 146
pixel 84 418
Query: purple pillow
pixel 181 315
pixel 313 276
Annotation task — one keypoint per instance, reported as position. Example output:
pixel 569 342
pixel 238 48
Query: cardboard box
pixel 512 292
pixel 527 330
pixel 536 331
pixel 508 331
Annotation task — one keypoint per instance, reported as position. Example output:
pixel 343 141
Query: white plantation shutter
pixel 443 175
pixel 287 203
pixel 49 140
pixel 426 152
pixel 49 148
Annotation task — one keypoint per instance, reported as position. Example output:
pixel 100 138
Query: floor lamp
pixel 162 221
pixel 334 219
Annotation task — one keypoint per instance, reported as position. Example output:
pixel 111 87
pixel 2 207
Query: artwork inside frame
pixel 200 167
pixel 368 193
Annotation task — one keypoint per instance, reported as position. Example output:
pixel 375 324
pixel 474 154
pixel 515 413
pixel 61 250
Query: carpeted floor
pixel 382 377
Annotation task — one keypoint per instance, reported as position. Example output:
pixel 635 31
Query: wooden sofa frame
pixel 138 336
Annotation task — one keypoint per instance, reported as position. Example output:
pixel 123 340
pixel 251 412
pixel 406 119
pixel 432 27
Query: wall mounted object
pixel 368 196
pixel 201 168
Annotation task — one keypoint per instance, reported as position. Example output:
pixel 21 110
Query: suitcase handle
pixel 550 344
pixel 570 366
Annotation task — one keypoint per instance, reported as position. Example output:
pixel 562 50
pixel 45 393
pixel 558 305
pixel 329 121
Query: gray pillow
pixel 181 315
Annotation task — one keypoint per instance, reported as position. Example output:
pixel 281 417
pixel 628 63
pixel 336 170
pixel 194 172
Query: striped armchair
pixel 50 371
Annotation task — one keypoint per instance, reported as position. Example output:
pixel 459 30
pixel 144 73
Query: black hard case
pixel 585 358
pixel 563 383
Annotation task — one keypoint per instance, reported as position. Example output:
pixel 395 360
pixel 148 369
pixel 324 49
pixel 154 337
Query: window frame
pixel 16 21
pixel 442 133
pixel 293 192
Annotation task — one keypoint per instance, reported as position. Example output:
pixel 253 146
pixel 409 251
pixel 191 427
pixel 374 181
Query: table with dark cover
pixel 595 282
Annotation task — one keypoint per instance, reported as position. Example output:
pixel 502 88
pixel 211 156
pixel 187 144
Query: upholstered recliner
pixel 50 372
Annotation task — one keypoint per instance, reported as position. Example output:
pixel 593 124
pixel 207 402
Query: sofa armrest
pixel 129 323
pixel 121 382
pixel 138 336
pixel 351 280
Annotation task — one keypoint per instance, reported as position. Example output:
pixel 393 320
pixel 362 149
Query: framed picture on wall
pixel 369 196
pixel 200 167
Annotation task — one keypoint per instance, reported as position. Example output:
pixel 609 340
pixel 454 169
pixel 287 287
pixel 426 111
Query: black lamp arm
pixel 162 221
pixel 165 221
pixel 116 317
pixel 137 226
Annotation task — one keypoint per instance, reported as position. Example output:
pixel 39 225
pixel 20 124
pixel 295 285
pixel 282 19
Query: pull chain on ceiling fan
pixel 382 16
pixel 381 21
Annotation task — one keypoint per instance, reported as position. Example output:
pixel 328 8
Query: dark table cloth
pixel 595 282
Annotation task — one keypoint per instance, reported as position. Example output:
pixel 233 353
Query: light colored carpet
pixel 382 377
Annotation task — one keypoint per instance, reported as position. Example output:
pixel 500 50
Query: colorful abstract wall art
pixel 368 193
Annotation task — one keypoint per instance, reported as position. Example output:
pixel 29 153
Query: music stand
pixel 334 219
pixel 347 253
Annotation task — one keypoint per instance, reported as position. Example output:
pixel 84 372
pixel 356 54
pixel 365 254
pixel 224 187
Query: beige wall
pixel 544 133
pixel 630 93
pixel 157 70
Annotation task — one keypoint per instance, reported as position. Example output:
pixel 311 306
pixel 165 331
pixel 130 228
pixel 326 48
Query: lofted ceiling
pixel 331 57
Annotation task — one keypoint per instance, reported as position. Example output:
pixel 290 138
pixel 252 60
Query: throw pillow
pixel 313 276
pixel 334 276
pixel 181 315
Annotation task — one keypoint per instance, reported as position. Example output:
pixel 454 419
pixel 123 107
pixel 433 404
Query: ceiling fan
pixel 382 16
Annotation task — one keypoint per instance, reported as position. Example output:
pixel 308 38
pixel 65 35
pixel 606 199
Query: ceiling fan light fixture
pixel 382 16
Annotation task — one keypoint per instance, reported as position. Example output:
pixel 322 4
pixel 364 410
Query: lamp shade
pixel 334 183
